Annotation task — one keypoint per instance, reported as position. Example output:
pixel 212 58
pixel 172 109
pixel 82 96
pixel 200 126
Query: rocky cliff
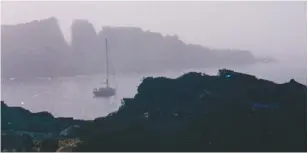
pixel 38 49
pixel 88 49
pixel 136 50
pixel 33 49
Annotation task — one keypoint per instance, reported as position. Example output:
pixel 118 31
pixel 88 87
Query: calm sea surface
pixel 72 96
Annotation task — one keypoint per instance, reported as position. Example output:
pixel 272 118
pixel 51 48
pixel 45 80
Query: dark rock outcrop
pixel 198 112
pixel 71 131
pixel 17 142
pixel 20 119
pixel 49 145
pixel 20 128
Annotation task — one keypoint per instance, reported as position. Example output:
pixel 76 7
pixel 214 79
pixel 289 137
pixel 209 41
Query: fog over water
pixel 72 96
pixel 275 29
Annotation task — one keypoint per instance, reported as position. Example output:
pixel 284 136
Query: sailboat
pixel 106 91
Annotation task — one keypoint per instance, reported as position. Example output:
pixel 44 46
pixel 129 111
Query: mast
pixel 107 64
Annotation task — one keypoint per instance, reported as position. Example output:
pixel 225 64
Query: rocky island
pixel 39 49
pixel 194 112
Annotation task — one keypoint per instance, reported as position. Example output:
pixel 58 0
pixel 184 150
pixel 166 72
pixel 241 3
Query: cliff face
pixel 33 49
pixel 38 49
pixel 87 49
pixel 33 37
pixel 142 50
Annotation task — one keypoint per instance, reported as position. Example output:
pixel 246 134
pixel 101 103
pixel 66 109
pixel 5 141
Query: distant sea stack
pixel 38 49
pixel 33 37
pixel 88 49
pixel 153 51
pixel 33 49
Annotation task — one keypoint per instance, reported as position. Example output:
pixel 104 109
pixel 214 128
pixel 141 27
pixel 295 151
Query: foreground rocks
pixel 197 112
pixel 25 143
pixel 22 130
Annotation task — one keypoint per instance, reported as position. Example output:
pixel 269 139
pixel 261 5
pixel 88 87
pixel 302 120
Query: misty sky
pixel 265 28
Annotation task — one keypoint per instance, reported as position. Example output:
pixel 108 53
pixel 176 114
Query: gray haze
pixel 277 29
pixel 265 28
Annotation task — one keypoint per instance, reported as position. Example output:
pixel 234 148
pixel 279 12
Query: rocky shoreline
pixel 194 112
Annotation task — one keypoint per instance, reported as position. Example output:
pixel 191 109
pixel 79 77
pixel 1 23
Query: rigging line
pixel 114 76
pixel 113 71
